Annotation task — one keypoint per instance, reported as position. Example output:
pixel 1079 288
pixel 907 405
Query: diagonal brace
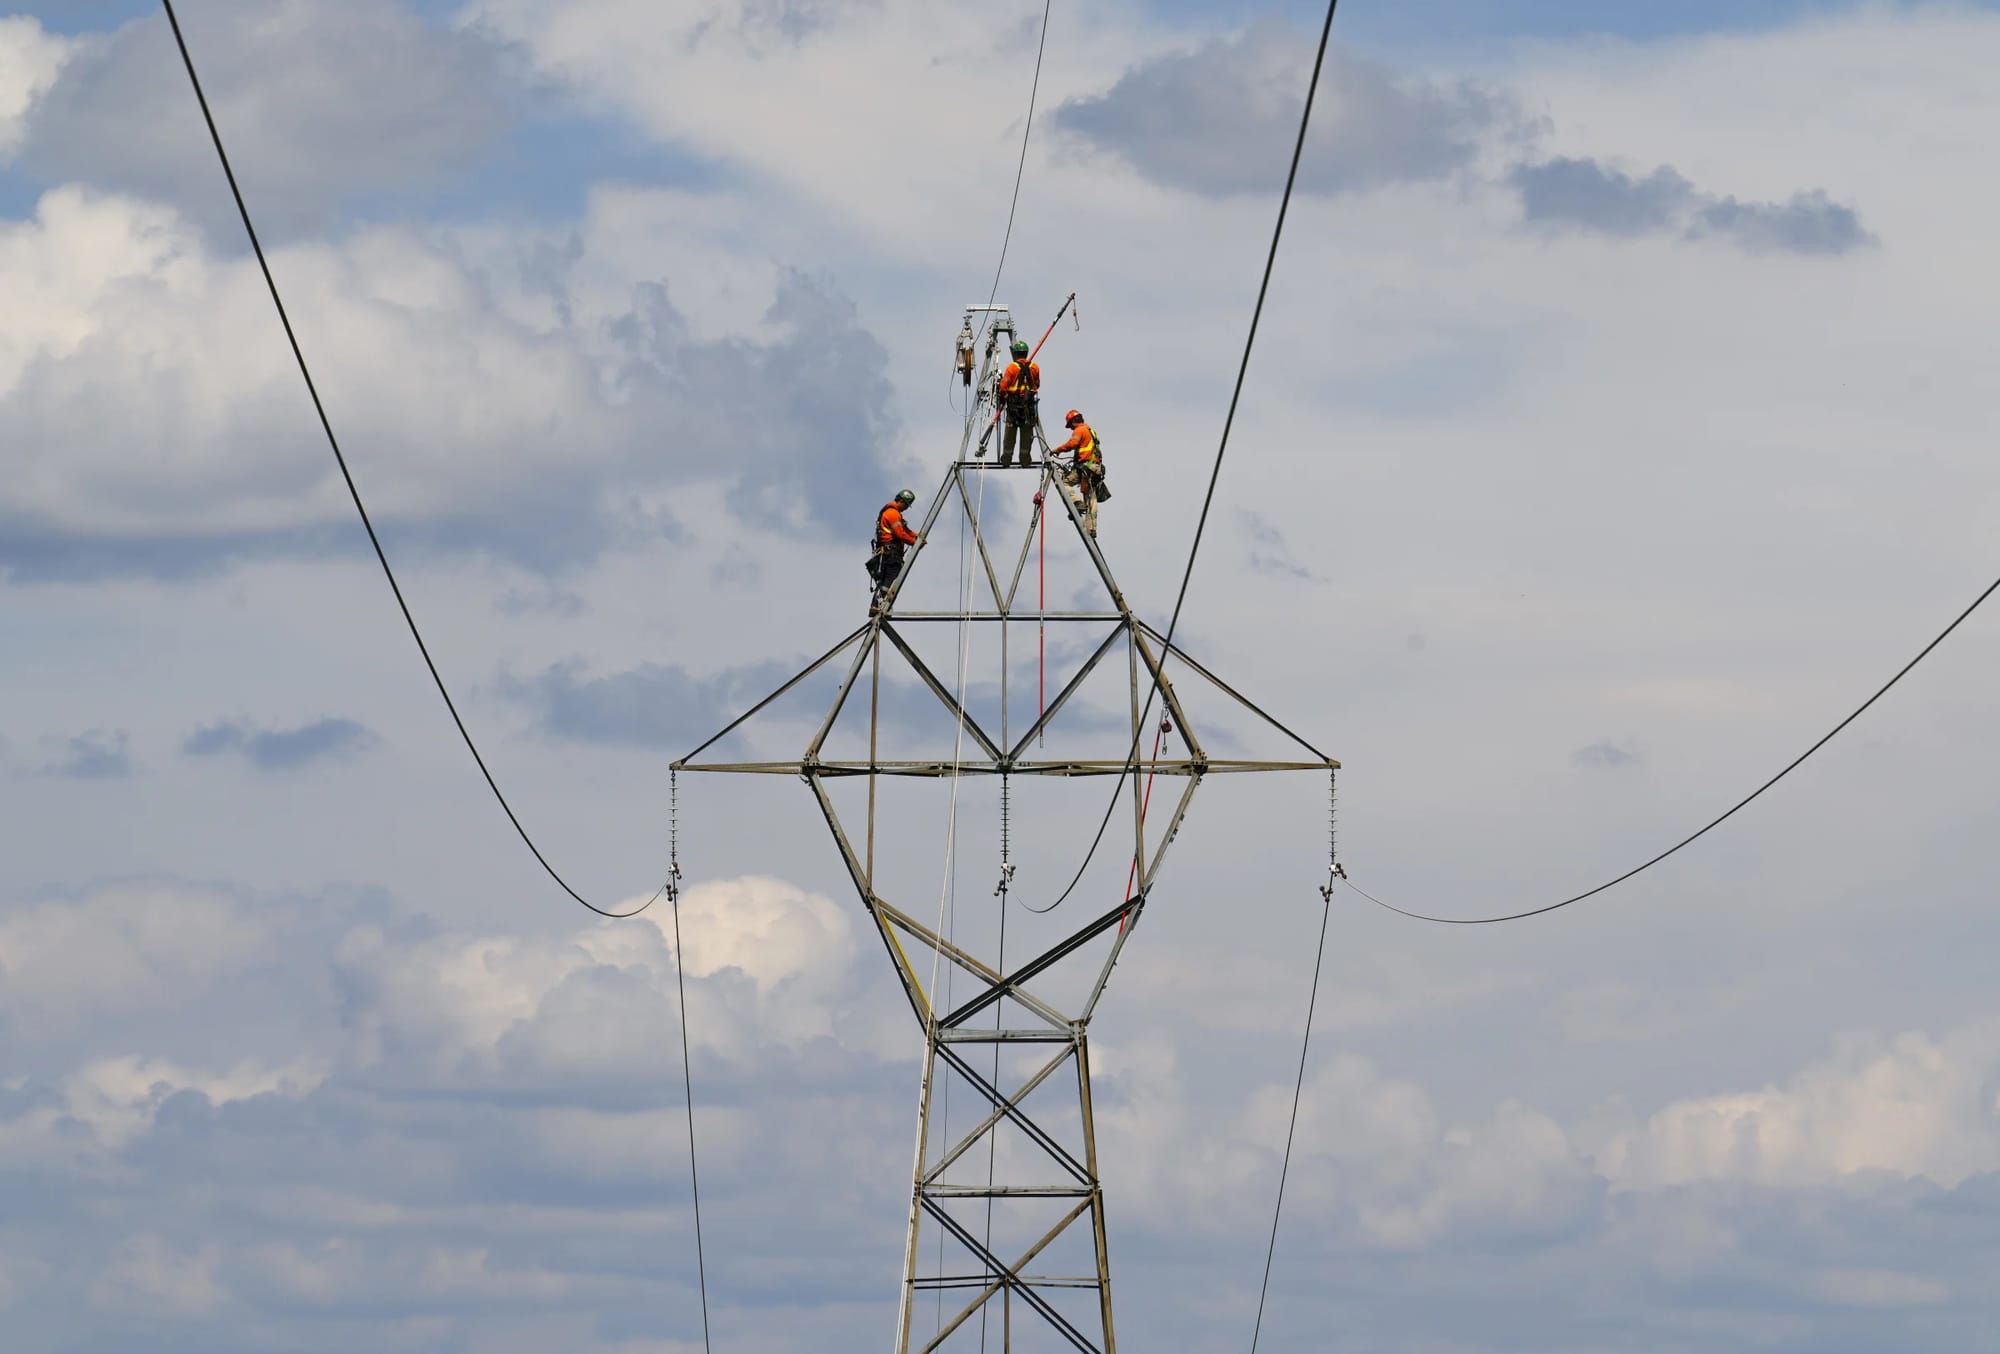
pixel 941 691
pixel 1069 689
pixel 1011 1279
pixel 1062 950
pixel 966 1145
pixel 1035 1131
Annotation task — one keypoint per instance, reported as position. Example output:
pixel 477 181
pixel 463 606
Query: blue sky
pixel 1457 24
pixel 1619 419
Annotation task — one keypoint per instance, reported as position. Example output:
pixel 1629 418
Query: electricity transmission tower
pixel 1015 1200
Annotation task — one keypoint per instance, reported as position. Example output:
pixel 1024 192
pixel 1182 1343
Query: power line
pixel 1021 167
pixel 1215 474
pixel 354 492
pixel 671 884
pixel 1721 818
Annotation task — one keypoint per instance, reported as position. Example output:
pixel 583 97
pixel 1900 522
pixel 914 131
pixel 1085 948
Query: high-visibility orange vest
pixel 1017 391
pixel 888 524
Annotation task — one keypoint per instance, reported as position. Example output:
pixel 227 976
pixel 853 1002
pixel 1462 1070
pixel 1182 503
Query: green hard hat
pixel 905 496
pixel 1020 348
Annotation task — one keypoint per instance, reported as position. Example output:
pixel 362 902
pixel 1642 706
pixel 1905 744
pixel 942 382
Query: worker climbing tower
pixel 1006 1212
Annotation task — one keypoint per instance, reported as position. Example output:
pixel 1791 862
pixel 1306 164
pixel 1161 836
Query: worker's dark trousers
pixel 1020 431
pixel 888 567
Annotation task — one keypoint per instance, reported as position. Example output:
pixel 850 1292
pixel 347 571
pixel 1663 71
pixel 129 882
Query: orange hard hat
pixel 1072 417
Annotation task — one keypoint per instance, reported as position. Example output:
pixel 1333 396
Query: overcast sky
pixel 1622 416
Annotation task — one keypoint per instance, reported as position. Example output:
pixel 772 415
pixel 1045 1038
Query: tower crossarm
pixel 1166 766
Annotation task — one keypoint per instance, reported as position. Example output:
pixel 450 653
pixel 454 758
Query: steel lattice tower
pixel 1041 1163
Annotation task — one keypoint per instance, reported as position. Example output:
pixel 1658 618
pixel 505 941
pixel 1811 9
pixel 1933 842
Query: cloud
pixel 1223 118
pixel 1914 1106
pixel 663 705
pixel 655 705
pixel 30 62
pixel 1270 553
pixel 123 947
pixel 316 105
pixel 1584 194
pixel 471 1131
pixel 481 1145
pixel 1806 223
pixel 97 754
pixel 280 749
pixel 210 452
pixel 1605 753
pixel 150 1278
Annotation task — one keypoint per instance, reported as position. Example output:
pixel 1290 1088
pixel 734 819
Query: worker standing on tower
pixel 892 538
pixel 1086 471
pixel 1020 387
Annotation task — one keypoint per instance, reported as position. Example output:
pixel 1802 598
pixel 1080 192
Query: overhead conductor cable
pixel 1720 818
pixel 671 884
pixel 1215 473
pixel 354 492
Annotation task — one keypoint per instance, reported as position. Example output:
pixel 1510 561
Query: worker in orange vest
pixel 1086 472
pixel 892 538
pixel 1020 387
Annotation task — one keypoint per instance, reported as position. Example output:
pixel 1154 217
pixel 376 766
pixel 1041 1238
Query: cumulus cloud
pixel 316 103
pixel 774 966
pixel 493 1121
pixel 479 1145
pixel 489 1129
pixel 280 749
pixel 1223 118
pixel 210 452
pixel 30 61
pixel 1913 1106
pixel 95 754
pixel 1584 194
pixel 119 1098
pixel 67 960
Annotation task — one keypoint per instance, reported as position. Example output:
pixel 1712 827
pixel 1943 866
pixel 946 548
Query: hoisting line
pixel 687 1063
pixel 948 888
pixel 340 458
pixel 1720 819
pixel 1000 964
pixel 1333 776
pixel 1333 872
